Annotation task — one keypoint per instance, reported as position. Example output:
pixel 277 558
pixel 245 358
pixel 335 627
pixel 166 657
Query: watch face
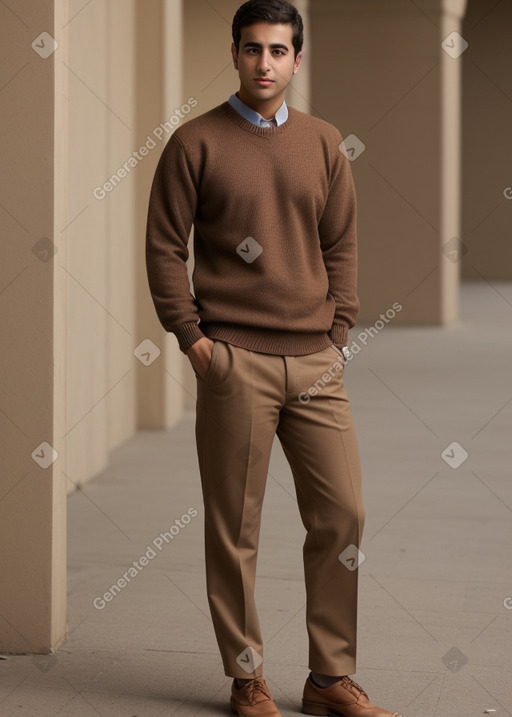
pixel 346 352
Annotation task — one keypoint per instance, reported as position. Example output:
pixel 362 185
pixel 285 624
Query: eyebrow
pixel 274 46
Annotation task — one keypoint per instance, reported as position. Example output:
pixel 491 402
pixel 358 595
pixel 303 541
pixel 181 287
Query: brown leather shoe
pixel 253 699
pixel 345 698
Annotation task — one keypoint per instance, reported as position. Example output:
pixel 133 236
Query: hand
pixel 200 355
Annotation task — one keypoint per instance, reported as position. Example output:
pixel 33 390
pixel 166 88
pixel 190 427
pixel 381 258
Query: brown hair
pixel 272 11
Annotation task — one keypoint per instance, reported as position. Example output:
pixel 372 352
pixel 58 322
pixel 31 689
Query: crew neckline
pixel 265 132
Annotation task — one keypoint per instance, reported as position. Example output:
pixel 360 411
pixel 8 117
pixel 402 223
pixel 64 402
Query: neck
pixel 266 108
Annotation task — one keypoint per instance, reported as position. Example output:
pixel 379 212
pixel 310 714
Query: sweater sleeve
pixel 171 211
pixel 338 239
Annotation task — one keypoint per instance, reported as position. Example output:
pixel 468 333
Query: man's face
pixel 265 51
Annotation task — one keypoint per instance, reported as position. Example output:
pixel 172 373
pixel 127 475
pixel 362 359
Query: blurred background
pixel 90 92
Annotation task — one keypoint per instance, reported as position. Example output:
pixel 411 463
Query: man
pixel 271 199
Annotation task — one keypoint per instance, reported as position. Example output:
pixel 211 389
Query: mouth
pixel 264 83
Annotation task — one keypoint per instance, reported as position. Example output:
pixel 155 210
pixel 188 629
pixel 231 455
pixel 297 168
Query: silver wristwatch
pixel 345 352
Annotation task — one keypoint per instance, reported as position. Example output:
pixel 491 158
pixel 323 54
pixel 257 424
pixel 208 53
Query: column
pixel 160 392
pixel 388 76
pixel 32 324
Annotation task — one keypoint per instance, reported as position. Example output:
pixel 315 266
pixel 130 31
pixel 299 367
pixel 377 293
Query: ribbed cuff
pixel 187 334
pixel 339 334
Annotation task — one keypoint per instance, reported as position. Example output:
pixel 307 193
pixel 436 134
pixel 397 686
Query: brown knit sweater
pixel 275 244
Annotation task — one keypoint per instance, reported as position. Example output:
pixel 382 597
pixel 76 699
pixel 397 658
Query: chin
pixel 260 92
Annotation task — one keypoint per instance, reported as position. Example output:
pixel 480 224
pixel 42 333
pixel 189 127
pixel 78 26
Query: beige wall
pixel 162 390
pixel 378 72
pixel 71 319
pixel 487 141
pixel 100 237
pixel 33 216
pixel 121 235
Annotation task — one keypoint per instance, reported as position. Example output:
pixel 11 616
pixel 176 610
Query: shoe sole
pixel 233 708
pixel 314 708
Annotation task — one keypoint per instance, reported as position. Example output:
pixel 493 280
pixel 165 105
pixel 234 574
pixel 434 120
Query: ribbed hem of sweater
pixel 187 334
pixel 268 341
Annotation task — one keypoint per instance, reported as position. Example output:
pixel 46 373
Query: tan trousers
pixel 244 400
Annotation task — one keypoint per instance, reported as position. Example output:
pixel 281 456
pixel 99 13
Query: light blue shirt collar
pixel 249 114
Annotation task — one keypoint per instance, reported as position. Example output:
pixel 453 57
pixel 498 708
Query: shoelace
pixel 254 686
pixel 348 682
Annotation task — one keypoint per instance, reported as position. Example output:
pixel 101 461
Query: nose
pixel 263 63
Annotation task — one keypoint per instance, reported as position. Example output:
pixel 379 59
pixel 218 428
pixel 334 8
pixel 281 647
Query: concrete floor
pixel 435 632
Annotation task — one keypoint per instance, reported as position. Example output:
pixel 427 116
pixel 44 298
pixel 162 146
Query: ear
pixel 234 54
pixel 298 60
